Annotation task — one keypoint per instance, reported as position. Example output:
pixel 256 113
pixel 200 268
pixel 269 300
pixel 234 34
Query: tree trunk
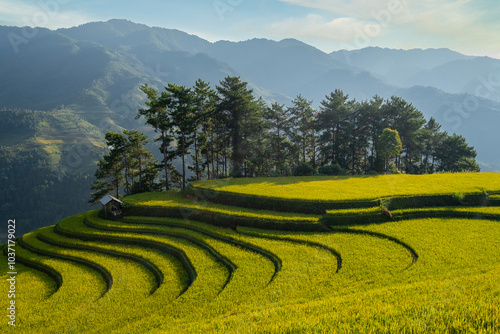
pixel 183 148
pixel 333 144
pixel 127 188
pixel 279 166
pixel 303 148
pixel 196 167
pixel 117 186
pixel 167 185
pixel 213 160
pixel 217 162
pixel 226 169
pixel 353 159
pixel 140 168
pixel 314 151
pixel 208 163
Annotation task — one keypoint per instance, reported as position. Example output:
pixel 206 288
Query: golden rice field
pixel 158 274
pixel 175 199
pixel 351 188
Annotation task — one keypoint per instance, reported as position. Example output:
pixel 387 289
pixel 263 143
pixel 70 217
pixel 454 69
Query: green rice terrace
pixel 369 254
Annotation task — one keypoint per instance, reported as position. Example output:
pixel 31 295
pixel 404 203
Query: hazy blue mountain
pixel 477 76
pixel 396 66
pixel 360 85
pixel 478 122
pixel 53 70
pixel 279 66
pixel 129 36
pixel 96 69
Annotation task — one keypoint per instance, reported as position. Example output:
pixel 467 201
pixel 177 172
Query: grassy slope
pixel 452 287
pixel 345 188
pixel 175 199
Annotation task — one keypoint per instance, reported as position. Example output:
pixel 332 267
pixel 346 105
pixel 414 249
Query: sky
pixel 469 26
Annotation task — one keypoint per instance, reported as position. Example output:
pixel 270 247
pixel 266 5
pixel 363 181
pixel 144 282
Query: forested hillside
pixel 47 159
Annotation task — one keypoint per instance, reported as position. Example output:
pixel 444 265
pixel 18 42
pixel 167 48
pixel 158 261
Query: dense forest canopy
pixel 227 132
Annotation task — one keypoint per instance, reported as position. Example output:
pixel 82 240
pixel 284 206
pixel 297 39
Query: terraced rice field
pixel 353 188
pixel 429 269
pixel 177 200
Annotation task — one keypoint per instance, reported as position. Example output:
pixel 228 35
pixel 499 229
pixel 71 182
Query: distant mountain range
pixel 95 70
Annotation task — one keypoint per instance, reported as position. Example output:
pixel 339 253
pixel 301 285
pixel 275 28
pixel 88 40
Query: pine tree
pixel 256 160
pixel 431 139
pixel 109 173
pixel 183 121
pixel 235 101
pixel 333 120
pixel 373 124
pixel 301 116
pixel 158 116
pixel 144 166
pixel 277 122
pixel 204 100
pixel 407 120
pixel 120 146
pixel 455 155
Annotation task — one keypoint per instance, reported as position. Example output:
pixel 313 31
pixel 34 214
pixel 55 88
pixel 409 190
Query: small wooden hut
pixel 112 205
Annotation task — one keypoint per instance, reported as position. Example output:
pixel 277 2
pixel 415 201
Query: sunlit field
pixel 159 274
pixel 349 188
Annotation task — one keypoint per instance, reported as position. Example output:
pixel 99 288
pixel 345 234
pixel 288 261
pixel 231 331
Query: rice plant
pixel 438 273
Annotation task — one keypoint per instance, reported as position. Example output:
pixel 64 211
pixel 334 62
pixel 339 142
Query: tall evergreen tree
pixel 301 117
pixel 144 166
pixel 109 173
pixel 117 168
pixel 277 121
pixel 455 155
pixel 182 110
pixel 356 135
pixel 158 116
pixel 373 122
pixel 430 139
pixel 256 160
pixel 333 120
pixel 204 101
pixel 408 121
pixel 235 101
pixel 120 146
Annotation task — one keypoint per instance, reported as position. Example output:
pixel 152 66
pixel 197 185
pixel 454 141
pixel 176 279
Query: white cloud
pixel 48 14
pixel 342 29
pixel 361 9
pixel 438 17
pixel 355 31
pixel 458 24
